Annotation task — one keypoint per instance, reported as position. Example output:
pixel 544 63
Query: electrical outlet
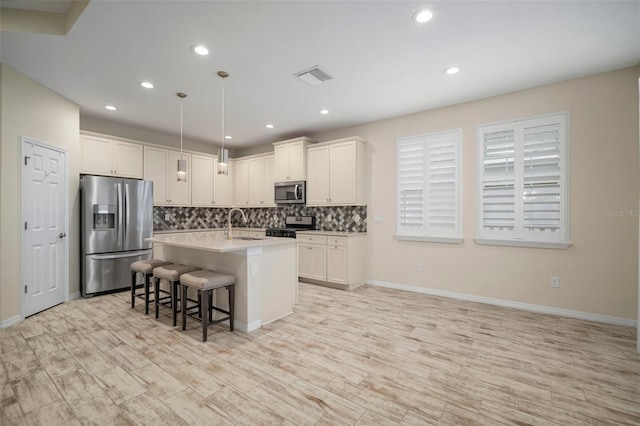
pixel 419 267
pixel 253 269
pixel 379 218
pixel 167 216
pixel 554 282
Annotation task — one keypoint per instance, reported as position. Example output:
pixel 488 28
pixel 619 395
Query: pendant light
pixel 223 154
pixel 182 163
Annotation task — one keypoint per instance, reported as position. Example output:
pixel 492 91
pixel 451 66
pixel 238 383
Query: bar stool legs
pixel 205 282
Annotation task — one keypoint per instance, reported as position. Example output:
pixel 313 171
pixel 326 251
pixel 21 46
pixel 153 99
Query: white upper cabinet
pixel 160 167
pixel 223 185
pixel 254 181
pixel 202 175
pixel 101 156
pixel 336 173
pixel 290 159
pixel 242 183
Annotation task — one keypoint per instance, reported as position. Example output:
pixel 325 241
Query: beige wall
pixel 30 109
pixel 598 274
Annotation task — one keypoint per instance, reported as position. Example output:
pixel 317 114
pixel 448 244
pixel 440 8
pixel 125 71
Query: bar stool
pixel 206 282
pixel 171 273
pixel 144 267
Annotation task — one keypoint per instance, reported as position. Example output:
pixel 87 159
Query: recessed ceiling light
pixel 269 126
pixel 228 137
pixel 451 70
pixel 147 85
pixel 324 111
pixel 422 16
pixel 110 107
pixel 199 49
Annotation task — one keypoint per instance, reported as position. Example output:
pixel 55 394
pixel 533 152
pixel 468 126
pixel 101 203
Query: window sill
pixel 557 245
pixel 446 240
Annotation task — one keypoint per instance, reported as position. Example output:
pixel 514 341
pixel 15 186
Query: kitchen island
pixel 266 271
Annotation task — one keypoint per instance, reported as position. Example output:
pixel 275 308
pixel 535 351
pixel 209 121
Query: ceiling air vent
pixel 313 76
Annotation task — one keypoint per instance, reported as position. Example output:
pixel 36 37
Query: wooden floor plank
pixel 371 356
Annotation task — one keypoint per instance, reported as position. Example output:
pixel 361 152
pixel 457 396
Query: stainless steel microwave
pixel 290 192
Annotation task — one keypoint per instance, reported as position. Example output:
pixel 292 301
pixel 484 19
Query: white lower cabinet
pixel 337 264
pixel 330 259
pixel 312 261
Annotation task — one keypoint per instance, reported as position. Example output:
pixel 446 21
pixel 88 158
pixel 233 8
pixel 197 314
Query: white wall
pixel 598 274
pixel 30 109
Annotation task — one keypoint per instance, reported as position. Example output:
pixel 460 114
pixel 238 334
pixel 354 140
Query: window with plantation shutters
pixel 522 183
pixel 428 179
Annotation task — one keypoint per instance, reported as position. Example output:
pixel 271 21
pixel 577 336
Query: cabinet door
pixel 127 159
pixel 202 180
pixel 242 183
pixel 155 170
pixel 304 263
pixel 179 192
pixel 297 161
pixel 337 264
pixel 281 154
pixel 268 191
pixel 223 186
pixel 318 262
pixel 342 173
pixel 318 176
pixel 97 156
pixel 256 182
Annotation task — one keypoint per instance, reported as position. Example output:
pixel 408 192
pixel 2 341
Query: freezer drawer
pixel 109 271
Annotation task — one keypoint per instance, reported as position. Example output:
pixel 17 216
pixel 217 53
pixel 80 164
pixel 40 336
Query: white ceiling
pixel 382 62
pixel 52 6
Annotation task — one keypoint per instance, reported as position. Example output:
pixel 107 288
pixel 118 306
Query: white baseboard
pixel 10 321
pixel 508 303
pixel 74 296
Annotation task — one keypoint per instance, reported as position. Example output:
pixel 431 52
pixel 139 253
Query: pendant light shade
pixel 223 154
pixel 182 163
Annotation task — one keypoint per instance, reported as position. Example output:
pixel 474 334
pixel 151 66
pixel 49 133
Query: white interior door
pixel 44 215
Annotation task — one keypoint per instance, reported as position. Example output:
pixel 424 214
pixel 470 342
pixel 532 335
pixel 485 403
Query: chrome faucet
pixel 229 234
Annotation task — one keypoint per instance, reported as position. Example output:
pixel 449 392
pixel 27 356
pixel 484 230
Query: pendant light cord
pixel 181 128
pixel 223 115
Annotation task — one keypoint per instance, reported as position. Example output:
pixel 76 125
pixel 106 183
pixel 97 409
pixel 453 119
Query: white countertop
pixel 183 231
pixel 215 241
pixel 333 233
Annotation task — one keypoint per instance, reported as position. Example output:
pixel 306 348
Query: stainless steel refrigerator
pixel 115 218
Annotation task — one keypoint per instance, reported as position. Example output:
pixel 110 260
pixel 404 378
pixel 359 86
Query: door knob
pixel 62 235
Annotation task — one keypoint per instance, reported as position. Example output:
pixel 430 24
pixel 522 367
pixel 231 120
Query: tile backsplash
pixel 339 218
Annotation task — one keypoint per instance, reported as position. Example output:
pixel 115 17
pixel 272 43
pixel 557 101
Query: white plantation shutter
pixel 498 181
pixel 523 181
pixel 442 185
pixel 428 169
pixel 543 178
pixel 411 174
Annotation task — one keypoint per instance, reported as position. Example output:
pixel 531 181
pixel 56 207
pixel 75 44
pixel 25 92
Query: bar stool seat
pixel 171 273
pixel 205 282
pixel 144 267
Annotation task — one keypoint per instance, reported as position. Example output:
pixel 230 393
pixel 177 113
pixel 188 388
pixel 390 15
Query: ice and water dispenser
pixel 104 216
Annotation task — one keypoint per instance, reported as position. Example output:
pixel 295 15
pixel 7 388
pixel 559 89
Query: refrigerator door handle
pixel 116 256
pixel 120 218
pixel 126 210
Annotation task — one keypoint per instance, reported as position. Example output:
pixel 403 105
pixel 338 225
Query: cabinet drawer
pixel 315 239
pixel 337 241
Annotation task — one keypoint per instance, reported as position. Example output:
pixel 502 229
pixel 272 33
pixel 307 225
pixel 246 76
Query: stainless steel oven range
pixel 293 224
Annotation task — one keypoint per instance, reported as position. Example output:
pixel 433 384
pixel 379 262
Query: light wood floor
pixel 370 356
